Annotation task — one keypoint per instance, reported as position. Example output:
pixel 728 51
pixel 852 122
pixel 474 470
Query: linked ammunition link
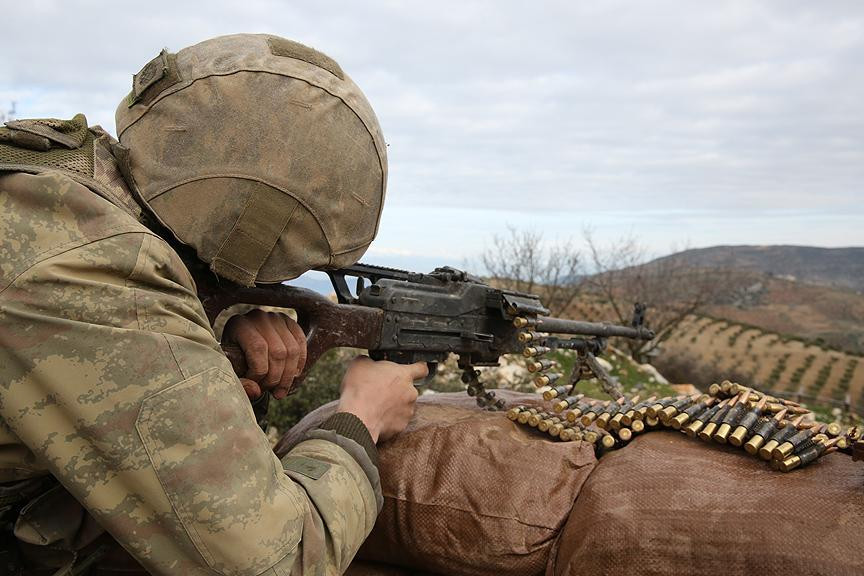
pixel 779 431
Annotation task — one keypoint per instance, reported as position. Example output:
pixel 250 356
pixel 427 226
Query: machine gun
pixel 409 317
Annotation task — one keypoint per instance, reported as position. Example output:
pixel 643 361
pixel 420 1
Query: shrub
pixel 798 374
pixel 821 377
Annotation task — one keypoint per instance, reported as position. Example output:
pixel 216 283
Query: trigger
pixel 433 370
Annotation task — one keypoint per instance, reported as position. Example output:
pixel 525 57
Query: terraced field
pixel 769 361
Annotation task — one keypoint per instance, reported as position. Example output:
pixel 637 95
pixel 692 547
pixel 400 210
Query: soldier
pixel 257 159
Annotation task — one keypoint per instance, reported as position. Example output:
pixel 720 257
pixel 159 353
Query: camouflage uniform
pixel 112 382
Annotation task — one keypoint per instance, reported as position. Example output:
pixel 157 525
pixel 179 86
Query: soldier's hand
pixel 381 394
pixel 275 349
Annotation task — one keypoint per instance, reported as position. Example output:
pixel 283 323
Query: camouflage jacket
pixel 111 380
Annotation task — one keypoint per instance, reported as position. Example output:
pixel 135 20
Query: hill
pixel 818 314
pixel 716 348
pixel 833 267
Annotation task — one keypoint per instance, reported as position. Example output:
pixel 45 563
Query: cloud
pixel 734 108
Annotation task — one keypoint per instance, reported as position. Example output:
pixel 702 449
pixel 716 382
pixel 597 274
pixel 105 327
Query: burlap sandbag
pixel 467 492
pixel 667 504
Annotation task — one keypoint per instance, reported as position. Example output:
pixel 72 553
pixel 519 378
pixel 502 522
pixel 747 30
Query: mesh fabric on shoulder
pixel 79 161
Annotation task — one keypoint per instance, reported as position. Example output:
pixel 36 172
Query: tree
pixel 671 288
pixel 520 260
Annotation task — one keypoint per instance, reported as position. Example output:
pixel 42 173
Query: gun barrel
pixel 564 326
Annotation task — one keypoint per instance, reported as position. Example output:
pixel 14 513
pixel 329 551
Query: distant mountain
pixel 836 267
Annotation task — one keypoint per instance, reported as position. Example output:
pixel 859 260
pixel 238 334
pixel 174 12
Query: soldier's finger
pixel 418 370
pixel 292 351
pixel 300 338
pixel 254 347
pixel 251 388
pixel 277 351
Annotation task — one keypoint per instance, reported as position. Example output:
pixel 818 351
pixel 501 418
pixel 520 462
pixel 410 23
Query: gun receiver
pixel 408 317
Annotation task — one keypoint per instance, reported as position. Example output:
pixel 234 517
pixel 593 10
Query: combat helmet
pixel 258 152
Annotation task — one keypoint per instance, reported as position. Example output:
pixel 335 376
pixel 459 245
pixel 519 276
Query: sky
pixel 681 123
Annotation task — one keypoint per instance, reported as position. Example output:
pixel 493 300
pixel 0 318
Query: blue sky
pixel 681 123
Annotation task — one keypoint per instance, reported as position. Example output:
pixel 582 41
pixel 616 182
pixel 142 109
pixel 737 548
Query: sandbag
pixel 467 492
pixel 666 504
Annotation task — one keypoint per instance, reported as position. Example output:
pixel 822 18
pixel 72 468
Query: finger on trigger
pixel 419 370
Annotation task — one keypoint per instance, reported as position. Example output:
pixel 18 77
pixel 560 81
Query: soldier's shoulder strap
pixel 71 147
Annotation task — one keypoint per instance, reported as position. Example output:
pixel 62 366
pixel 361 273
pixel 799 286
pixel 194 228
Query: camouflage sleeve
pixel 110 374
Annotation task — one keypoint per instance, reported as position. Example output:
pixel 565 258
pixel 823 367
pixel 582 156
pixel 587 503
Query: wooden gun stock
pixel 327 324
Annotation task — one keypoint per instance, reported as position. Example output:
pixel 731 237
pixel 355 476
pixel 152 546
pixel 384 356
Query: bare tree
pixel 670 287
pixel 519 260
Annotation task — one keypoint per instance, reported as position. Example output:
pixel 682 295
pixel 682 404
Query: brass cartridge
pixel 589 416
pixel 787 431
pixel 736 409
pixel 602 420
pixel 539 365
pixel 699 422
pixel 617 419
pixel 637 426
pixel 528 336
pixel 513 413
pixel 697 409
pixel 523 322
pixel 566 403
pixel 609 411
pixel 535 419
pixel 747 423
pixel 679 420
pixel 722 433
pixel 525 414
pixel 738 436
pixel 808 455
pixel 546 379
pixel 708 430
pixel 786 448
pixel 834 429
pixel 615 422
pixel 625 434
pixel 590 436
pixel 765 430
pixel 543 390
pixel 556 429
pixel 573 414
pixel 637 412
pixel 552 393
pixel 714 389
pixel 547 423
pixel 670 411
pixel 535 351
pixel 660 404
